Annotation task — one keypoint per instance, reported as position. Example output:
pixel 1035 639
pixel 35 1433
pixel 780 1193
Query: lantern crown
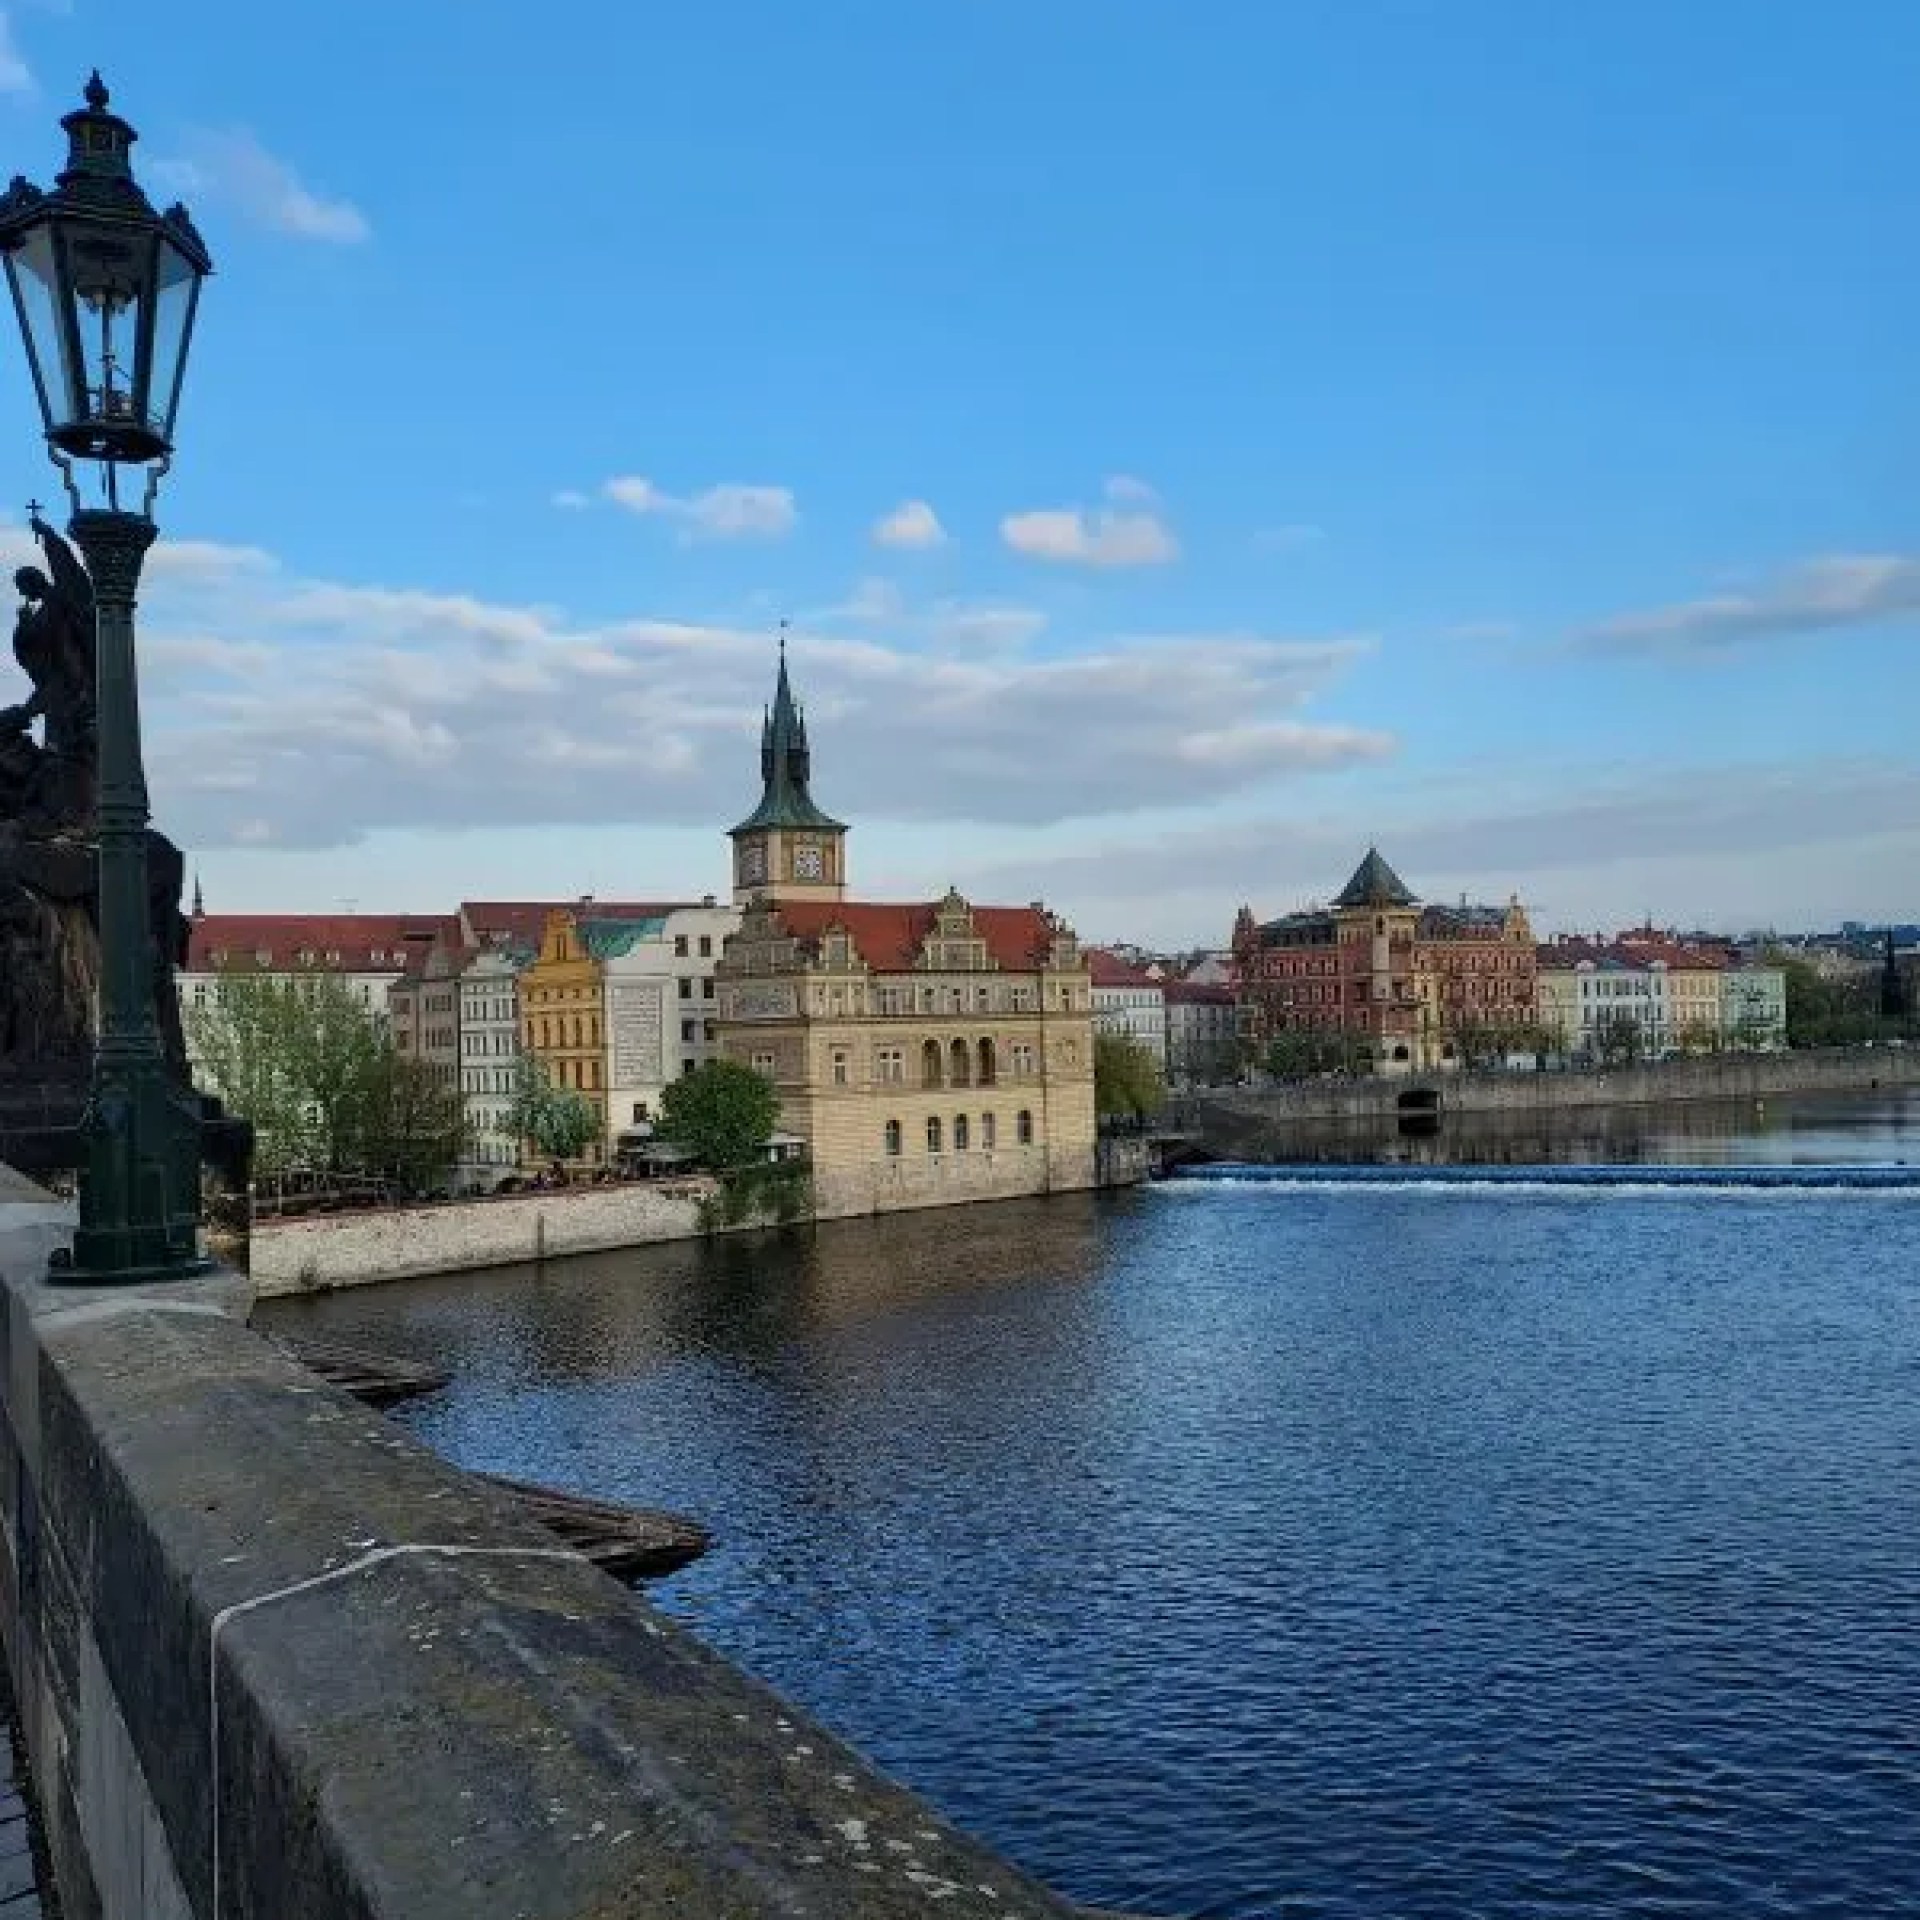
pixel 105 290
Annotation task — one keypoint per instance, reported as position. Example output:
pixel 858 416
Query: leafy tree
pixel 1617 1039
pixel 315 1070
pixel 412 1124
pixel 557 1122
pixel 1125 1079
pixel 1296 1053
pixel 722 1113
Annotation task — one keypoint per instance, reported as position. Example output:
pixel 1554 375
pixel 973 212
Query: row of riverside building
pixel 944 1050
pixel 924 1052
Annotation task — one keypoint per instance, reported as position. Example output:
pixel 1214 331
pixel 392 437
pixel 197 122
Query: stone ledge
pixel 383 1691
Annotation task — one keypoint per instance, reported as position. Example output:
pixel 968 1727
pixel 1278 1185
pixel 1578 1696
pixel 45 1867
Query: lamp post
pixel 106 290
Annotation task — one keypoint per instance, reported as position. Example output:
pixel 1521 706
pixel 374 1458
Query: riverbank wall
pixel 319 1252
pixel 272 1656
pixel 1260 1122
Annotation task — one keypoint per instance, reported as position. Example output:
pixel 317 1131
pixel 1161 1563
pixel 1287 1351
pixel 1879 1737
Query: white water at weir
pixel 1895 1181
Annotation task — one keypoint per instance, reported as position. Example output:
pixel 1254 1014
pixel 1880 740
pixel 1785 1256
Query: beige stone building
pixel 926 1052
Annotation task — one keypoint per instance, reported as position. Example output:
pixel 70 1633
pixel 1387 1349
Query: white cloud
pixel 911 524
pixel 233 166
pixel 15 75
pixel 335 709
pixel 1820 595
pixel 1112 536
pixel 726 512
pixel 1125 490
pixel 572 500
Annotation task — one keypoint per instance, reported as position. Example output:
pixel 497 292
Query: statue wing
pixel 70 579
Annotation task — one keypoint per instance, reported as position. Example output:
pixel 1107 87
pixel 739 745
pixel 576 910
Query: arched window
pixel 986 1131
pixel 959 1133
pixel 1023 1128
pixel 893 1138
pixel 958 1075
pixel 987 1063
pixel 930 1064
pixel 933 1133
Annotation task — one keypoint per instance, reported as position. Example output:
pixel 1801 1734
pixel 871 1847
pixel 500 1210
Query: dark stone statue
pixel 49 864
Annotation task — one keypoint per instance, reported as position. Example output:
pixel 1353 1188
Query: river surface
pixel 1386 1552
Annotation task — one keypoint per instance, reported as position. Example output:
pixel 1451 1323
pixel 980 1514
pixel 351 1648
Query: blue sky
pixel 1188 442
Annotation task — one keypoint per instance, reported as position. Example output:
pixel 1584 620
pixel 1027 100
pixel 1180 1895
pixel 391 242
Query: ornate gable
pixel 953 944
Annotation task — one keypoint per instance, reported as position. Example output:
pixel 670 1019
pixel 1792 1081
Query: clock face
pixel 753 862
pixel 807 863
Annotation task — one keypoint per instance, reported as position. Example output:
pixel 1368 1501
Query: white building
pixel 1203 1039
pixel 1601 1005
pixel 369 951
pixel 1129 1001
pixel 661 1008
pixel 490 1059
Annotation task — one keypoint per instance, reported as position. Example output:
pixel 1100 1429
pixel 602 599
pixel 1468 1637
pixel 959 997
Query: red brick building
pixel 1407 986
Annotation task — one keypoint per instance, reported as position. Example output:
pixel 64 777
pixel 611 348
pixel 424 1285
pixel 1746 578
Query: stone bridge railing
pixel 273 1658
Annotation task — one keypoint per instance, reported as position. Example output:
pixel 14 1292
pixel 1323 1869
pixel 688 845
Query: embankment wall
pixel 1240 1119
pixel 322 1251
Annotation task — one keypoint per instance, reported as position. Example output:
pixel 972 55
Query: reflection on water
pixel 1808 1129
pixel 1238 1551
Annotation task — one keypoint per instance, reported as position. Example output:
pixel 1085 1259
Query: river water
pixel 1389 1552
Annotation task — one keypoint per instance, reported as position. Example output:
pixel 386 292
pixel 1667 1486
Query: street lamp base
pixel 140 1184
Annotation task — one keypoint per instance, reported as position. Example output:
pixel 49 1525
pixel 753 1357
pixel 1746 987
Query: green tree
pixel 412 1123
pixel 314 1068
pixel 722 1113
pixel 557 1122
pixel 1617 1039
pixel 1125 1080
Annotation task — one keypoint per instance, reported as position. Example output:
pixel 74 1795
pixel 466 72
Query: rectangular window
pixel 706 946
pixel 686 988
pixel 706 988
pixel 686 1031
pixel 762 1063
pixel 842 1067
pixel 679 946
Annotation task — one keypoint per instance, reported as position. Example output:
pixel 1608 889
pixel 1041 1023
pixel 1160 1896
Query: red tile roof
pixel 1109 970
pixel 341 942
pixel 888 937
pixel 1199 993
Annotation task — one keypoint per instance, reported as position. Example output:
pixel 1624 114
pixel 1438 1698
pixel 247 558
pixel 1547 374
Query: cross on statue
pixel 34 510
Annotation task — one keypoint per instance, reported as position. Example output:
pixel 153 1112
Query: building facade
pixel 1130 1002
pixel 662 1009
pixel 490 1060
pixel 1408 987
pixel 1203 1033
pixel 925 1053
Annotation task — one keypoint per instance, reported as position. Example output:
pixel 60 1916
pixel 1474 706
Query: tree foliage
pixel 722 1113
pixel 557 1122
pixel 1126 1082
pixel 1298 1053
pixel 315 1070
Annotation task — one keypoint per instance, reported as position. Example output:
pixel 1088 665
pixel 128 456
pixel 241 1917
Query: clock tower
pixel 786 848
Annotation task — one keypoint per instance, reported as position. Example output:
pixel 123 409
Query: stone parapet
pixel 274 1658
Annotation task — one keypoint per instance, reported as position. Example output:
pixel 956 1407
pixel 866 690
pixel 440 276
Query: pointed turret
pixel 1374 884
pixel 787 846
pixel 786 765
pixel 199 903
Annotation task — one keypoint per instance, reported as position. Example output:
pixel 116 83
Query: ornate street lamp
pixel 106 290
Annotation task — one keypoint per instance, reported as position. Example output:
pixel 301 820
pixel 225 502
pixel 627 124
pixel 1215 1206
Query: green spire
pixel 786 765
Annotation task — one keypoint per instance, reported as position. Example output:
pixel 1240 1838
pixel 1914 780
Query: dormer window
pixel 264 955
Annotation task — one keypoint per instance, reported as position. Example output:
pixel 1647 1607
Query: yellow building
pixel 925 1052
pixel 563 1013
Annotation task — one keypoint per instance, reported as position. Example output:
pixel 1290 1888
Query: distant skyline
pixel 1189 445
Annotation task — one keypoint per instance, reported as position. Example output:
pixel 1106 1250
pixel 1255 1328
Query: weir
pixel 1692 1178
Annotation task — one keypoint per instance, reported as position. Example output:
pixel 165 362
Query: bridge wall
pixel 274 1658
